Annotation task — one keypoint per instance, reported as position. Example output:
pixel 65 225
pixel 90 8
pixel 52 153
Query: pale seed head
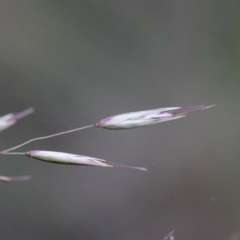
pixel 144 118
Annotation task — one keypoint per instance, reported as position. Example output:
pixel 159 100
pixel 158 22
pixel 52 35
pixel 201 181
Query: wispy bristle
pixel 125 166
pixel 185 110
pixel 21 178
pixel 24 113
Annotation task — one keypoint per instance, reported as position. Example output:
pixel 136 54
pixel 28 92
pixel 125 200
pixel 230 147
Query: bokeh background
pixel 77 62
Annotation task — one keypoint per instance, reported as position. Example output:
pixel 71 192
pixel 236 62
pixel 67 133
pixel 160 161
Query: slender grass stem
pixel 45 137
pixel 169 235
pixel 15 153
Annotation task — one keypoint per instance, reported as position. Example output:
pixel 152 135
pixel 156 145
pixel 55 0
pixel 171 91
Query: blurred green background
pixel 77 62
